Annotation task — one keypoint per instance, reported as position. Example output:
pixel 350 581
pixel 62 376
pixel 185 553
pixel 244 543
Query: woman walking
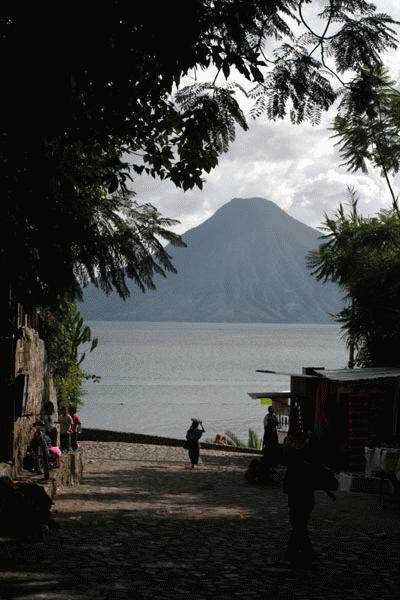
pixel 193 436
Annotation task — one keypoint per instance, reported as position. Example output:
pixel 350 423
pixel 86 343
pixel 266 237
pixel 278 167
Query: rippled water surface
pixel 155 376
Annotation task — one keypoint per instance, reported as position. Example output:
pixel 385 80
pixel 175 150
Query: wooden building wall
pixel 345 417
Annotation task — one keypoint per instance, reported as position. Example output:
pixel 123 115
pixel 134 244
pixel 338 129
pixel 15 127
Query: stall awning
pixel 273 395
pixel 279 400
pixel 289 374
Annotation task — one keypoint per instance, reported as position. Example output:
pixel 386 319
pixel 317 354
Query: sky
pixel 295 166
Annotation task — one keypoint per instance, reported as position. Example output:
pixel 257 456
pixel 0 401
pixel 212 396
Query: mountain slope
pixel 246 263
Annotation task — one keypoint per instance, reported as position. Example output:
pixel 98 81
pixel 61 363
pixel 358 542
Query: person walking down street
pixel 193 436
pixel 299 486
pixel 76 427
pixel 270 440
pixel 66 424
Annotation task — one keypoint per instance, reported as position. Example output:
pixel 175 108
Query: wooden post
pixel 351 362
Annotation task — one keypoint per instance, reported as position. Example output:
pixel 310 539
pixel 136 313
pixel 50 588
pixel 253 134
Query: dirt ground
pixel 145 525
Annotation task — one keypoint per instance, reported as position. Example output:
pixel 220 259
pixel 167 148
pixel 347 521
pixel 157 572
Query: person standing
pixel 49 421
pixel 270 440
pixel 299 486
pixel 193 436
pixel 76 427
pixel 66 424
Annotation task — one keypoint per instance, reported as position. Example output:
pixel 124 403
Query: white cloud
pixel 298 167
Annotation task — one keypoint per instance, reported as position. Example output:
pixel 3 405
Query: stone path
pixel 144 525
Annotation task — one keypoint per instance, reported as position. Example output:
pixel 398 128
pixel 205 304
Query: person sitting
pixel 218 439
pixel 258 472
pixel 253 470
pixel 54 453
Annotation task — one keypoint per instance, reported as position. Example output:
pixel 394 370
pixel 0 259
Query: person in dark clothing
pixel 270 428
pixel 299 486
pixel 24 509
pixel 193 436
pixel 270 440
pixel 252 472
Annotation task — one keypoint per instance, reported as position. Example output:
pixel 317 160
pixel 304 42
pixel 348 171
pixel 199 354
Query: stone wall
pixel 104 435
pixel 32 387
pixel 30 362
pixel 69 473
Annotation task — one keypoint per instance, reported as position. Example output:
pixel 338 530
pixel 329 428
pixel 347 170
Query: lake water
pixel 155 376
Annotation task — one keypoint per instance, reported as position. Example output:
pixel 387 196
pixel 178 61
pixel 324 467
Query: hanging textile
pixel 322 424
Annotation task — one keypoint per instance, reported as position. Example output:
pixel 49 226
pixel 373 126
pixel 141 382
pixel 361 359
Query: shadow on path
pixel 145 531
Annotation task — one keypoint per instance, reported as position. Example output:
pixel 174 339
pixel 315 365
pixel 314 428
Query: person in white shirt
pixel 65 421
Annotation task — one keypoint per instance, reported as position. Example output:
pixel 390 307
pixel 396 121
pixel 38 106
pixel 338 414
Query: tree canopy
pixel 362 255
pixel 63 331
pixel 368 124
pixel 92 100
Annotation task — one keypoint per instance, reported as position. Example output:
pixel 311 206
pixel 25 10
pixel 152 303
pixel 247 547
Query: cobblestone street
pixel 144 525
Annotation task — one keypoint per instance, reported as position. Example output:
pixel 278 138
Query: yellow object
pixel 266 401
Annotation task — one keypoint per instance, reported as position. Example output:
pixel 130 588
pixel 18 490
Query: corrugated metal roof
pixel 344 374
pixel 358 374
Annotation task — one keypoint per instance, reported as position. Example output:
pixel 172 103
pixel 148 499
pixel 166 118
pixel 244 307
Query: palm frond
pixel 236 441
pixel 254 441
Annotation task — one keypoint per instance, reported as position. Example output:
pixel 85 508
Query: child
pixel 54 454
pixel 48 418
pixel 66 424
pixel 76 427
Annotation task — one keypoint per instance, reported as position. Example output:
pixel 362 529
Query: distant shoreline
pixel 106 435
pixel 300 324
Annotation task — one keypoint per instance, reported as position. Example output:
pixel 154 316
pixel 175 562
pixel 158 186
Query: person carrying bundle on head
pixel 193 436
